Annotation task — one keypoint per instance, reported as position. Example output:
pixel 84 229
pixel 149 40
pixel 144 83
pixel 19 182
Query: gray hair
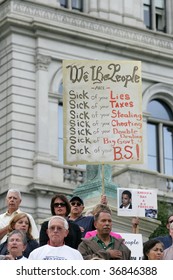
pixel 20 233
pixel 58 218
pixel 14 191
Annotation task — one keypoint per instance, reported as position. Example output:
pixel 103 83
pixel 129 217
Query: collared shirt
pixel 102 245
pixel 6 217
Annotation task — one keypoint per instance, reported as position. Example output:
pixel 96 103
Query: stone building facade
pixel 35 37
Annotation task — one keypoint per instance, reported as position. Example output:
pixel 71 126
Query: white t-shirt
pixel 5 219
pixel 48 252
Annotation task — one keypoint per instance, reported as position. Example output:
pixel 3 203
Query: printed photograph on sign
pixel 126 200
pixel 137 203
pixel 102 102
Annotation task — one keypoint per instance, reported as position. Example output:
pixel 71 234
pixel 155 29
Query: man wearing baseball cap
pixel 86 223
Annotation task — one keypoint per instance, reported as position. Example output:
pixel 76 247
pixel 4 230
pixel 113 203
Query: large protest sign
pixel 102 103
pixel 142 203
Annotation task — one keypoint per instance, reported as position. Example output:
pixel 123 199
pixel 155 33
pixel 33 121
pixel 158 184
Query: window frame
pixel 154 13
pixel 69 5
pixel 160 124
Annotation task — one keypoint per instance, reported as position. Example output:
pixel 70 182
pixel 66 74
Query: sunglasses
pixel 76 203
pixel 61 204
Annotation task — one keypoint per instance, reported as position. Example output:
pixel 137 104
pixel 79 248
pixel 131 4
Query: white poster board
pixel 102 103
pixel 135 243
pixel 143 203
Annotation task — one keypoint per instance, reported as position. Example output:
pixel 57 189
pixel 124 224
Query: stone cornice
pixel 86 25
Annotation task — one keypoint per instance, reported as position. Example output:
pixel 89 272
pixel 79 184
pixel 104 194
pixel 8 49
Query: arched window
pixel 160 137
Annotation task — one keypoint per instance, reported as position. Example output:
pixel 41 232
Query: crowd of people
pixel 70 235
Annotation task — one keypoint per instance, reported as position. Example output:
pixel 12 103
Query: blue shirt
pixel 166 240
pixel 87 222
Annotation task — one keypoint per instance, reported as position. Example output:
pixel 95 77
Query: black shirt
pixel 72 239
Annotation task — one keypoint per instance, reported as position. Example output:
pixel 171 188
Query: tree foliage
pixel 163 213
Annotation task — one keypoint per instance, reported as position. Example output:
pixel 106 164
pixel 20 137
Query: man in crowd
pixel 86 223
pixel 103 245
pixel 13 200
pixel 167 240
pixel 56 249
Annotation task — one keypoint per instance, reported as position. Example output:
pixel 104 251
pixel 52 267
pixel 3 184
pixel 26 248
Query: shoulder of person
pixel 89 218
pixel 87 240
pixel 163 237
pixel 33 242
pixel 119 239
pixel 2 215
pixel 45 223
pixel 72 224
pixel 168 253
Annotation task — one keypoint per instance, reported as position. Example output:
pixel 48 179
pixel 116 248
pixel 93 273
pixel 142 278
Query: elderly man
pixel 56 249
pixel 13 200
pixel 103 245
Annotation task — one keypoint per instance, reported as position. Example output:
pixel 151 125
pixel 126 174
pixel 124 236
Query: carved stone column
pixel 42 121
pixel 42 161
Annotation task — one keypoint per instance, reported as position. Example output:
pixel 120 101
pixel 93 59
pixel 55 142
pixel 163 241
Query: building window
pixel 147 13
pixel 160 137
pixel 155 14
pixel 72 4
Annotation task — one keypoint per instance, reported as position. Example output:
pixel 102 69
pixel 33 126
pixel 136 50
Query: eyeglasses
pixel 61 204
pixel 76 203
pixel 170 222
pixel 53 228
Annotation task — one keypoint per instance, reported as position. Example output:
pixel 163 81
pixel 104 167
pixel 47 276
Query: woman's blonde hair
pixel 15 219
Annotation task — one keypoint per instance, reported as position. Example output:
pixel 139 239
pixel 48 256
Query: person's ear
pixel 24 247
pixel 168 226
pixel 66 232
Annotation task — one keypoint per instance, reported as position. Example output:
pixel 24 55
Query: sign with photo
pixel 137 202
pixel 102 106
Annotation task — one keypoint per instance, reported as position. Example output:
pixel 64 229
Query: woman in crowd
pixel 16 244
pixel 21 222
pixel 60 206
pixel 153 250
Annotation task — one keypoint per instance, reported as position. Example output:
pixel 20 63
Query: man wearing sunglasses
pixel 86 223
pixel 167 240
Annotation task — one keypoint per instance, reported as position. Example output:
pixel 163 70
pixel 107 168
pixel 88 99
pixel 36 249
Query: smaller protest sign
pixel 137 202
pixel 135 243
